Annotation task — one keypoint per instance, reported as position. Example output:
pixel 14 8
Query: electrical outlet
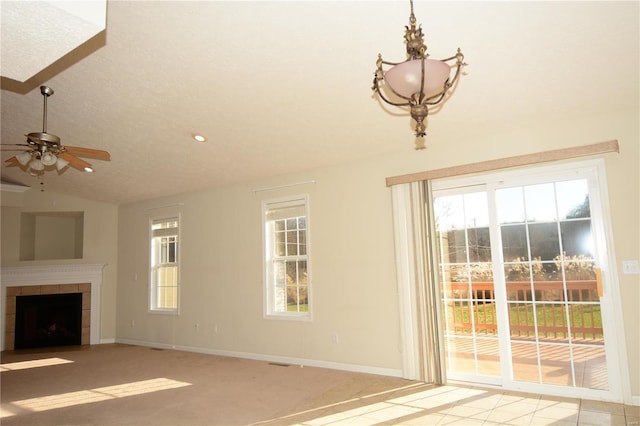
pixel 630 267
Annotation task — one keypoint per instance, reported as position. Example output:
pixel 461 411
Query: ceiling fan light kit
pixel 45 150
pixel 61 164
pixel 37 165
pixel 48 158
pixel 418 82
pixel 24 157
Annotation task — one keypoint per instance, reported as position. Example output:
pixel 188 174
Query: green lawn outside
pixel 551 317
pixel 294 308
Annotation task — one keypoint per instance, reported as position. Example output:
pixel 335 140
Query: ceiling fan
pixel 44 149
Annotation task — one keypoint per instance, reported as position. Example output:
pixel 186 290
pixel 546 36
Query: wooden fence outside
pixel 554 311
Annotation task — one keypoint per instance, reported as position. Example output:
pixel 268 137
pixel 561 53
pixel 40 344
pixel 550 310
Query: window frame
pixel 153 293
pixel 268 247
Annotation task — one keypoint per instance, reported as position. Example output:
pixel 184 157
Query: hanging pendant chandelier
pixel 418 82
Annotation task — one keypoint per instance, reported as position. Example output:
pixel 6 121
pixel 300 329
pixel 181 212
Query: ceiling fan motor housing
pixel 45 137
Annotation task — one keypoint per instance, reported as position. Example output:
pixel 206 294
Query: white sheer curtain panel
pixel 418 286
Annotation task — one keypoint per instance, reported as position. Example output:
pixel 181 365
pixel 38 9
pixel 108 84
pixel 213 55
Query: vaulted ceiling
pixel 282 87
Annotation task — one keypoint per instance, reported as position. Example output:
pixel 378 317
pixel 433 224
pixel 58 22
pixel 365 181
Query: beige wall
pixel 100 241
pixel 352 252
pixel 353 270
pixel 353 275
pixel 56 238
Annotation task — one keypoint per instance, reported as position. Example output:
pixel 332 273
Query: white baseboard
pixel 355 368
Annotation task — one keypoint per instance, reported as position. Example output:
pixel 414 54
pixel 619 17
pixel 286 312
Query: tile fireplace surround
pixel 52 279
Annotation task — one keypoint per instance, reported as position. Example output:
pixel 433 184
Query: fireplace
pixel 53 280
pixel 48 320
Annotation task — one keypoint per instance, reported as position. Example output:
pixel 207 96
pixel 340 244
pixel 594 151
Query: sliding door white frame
pixel 616 353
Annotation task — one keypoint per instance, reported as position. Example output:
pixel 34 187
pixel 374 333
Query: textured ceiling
pixel 35 34
pixel 281 87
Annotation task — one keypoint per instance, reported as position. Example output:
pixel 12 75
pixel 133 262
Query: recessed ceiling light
pixel 198 137
pixel 88 169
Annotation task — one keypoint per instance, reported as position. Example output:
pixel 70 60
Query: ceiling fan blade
pixel 15 147
pixel 12 161
pixel 89 152
pixel 74 161
pixel 13 144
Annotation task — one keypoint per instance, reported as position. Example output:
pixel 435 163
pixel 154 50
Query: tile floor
pixel 586 369
pixel 457 405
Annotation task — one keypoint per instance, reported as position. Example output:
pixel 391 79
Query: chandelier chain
pixel 412 17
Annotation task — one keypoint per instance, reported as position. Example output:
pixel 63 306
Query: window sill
pixel 288 317
pixel 164 311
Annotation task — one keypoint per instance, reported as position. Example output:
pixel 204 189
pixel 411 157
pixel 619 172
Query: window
pixel 164 274
pixel 286 258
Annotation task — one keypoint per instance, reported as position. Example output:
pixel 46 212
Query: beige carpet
pixel 131 385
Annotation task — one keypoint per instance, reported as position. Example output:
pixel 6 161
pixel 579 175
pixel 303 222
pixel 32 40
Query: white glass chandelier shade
pixel 37 165
pixel 405 78
pixel 24 157
pixel 48 158
pixel 61 163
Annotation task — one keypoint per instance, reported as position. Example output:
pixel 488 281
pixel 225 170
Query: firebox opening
pixel 48 320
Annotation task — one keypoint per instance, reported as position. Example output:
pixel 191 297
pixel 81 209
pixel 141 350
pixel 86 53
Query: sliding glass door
pixel 467 284
pixel 523 304
pixel 553 303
